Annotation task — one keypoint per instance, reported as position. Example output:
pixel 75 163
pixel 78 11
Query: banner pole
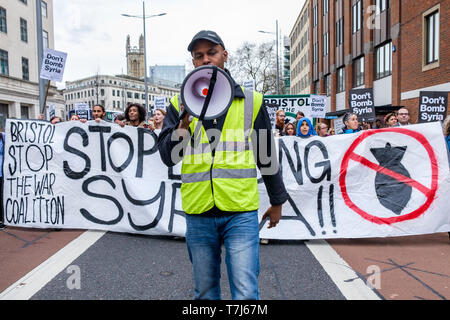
pixel 45 98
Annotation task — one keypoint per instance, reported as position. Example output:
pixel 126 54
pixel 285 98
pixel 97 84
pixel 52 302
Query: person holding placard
pixel 305 128
pixel 98 112
pixel 391 120
pixel 135 115
pixel 158 120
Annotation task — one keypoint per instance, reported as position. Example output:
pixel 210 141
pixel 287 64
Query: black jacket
pixel 274 183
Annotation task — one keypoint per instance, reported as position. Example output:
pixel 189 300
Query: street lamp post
pixel 145 47
pixel 278 66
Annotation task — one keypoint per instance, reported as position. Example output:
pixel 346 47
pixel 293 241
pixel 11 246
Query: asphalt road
pixel 132 267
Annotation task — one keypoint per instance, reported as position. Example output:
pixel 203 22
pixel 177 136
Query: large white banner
pixel 376 183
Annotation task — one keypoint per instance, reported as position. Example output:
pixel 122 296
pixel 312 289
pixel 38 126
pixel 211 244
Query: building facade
pixel 286 65
pixel 19 74
pixel 299 60
pixel 168 75
pixel 113 92
pixel 396 47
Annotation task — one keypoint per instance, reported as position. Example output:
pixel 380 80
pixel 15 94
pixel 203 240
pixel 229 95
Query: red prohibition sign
pixel 428 192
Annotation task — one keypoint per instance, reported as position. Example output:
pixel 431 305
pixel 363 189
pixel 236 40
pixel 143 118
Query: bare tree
pixel 258 62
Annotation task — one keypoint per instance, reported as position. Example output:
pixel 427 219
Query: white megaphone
pixel 207 92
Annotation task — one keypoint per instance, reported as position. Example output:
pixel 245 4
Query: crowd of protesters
pixel 284 127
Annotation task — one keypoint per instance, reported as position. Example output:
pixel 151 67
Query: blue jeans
pixel 239 233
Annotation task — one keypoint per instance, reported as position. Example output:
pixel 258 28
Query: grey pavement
pixel 133 267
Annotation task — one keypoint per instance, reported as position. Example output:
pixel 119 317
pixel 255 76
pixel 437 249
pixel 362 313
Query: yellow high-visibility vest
pixel 228 180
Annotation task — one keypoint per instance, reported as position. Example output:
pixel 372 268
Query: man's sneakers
pixel 2 226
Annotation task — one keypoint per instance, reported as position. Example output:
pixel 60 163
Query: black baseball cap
pixel 206 35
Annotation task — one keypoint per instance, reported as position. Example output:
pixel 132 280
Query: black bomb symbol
pixel 392 193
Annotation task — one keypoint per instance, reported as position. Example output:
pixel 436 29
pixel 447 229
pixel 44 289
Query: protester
pixel 447 132
pixel 75 117
pixel 447 139
pixel 298 116
pixel 289 130
pixel 98 112
pixel 158 120
pixel 403 117
pixel 2 139
pixel 221 207
pixel 119 119
pixel 390 120
pixel 351 123
pixel 135 115
pixel 331 132
pixel 322 129
pixel 55 120
pixel 378 124
pixel 306 129
pixel 366 126
pixel 280 116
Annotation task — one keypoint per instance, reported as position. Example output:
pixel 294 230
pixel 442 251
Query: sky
pixel 93 33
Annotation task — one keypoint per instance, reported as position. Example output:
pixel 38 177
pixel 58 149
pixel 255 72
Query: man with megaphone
pixel 221 132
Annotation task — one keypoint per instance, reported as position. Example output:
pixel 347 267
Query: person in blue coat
pixel 305 128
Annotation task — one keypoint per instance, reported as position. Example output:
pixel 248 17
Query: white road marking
pixel 35 280
pixel 339 271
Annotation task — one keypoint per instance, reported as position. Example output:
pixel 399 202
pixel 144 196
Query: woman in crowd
pixel 351 123
pixel 98 112
pixel 76 117
pixel 322 129
pixel 390 120
pixel 305 128
pixel 331 132
pixel 135 115
pixel 158 120
pixel 289 129
pixel 366 125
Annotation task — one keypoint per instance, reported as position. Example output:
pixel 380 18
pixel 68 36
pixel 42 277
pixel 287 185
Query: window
pixel 383 61
pixel 328 85
pixel 339 32
pixel 4 70
pixel 432 37
pixel 136 95
pixel 326 6
pixel 356 17
pixel 315 53
pixel 25 69
pixel 44 9
pixel 24 1
pixel 326 44
pixel 358 72
pixel 102 92
pixel 3 20
pixel 340 85
pixel 315 17
pixel 23 30
pixel 45 39
pixel 381 5
pixel 24 112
